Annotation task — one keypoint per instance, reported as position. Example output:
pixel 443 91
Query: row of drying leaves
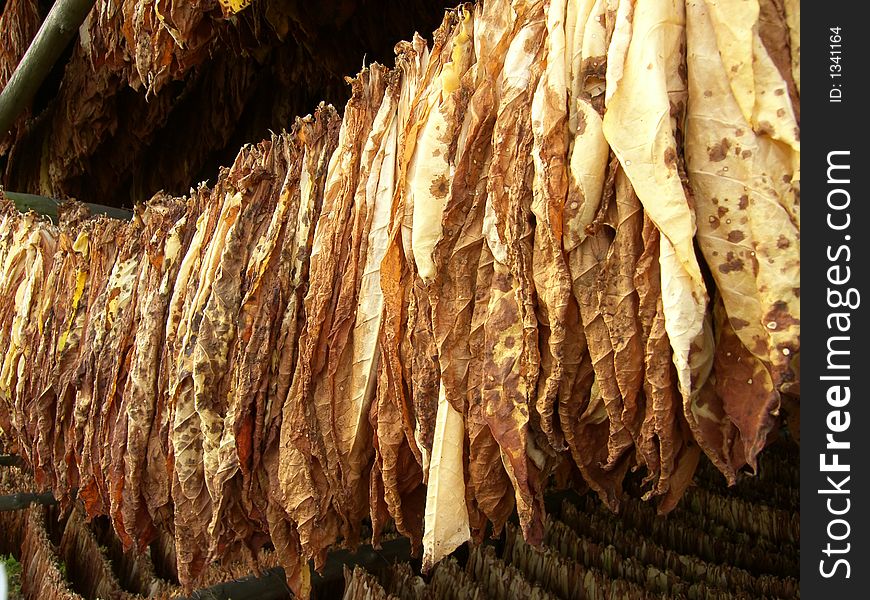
pixel 487 271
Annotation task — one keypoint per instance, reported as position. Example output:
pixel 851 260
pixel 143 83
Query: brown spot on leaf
pixel 780 315
pixel 779 92
pixel 714 223
pixel 738 132
pixel 708 93
pixel 782 243
pixel 719 151
pixel 581 123
pixel 736 236
pixel 746 154
pixel 780 112
pixel 765 128
pixel 732 263
pixel 670 157
pixel 440 187
pixel 743 202
pixel 722 211
pixel 754 262
pixel 509 342
pixel 737 324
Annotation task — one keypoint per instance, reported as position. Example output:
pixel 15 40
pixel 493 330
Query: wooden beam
pixel 25 499
pixel 48 206
pixel 271 585
pixel 59 27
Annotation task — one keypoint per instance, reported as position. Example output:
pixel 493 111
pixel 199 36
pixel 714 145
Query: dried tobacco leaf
pixel 640 125
pixel 164 252
pixel 793 21
pixel 550 271
pixel 445 526
pixel 747 228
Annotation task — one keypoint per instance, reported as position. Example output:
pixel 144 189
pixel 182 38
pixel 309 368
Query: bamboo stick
pixel 48 206
pixel 59 27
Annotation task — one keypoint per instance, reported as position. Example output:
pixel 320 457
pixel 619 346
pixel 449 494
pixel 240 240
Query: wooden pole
pixel 54 34
pixel 271 585
pixel 25 499
pixel 48 206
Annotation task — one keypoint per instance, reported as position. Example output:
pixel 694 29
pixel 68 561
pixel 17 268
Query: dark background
pixel 257 78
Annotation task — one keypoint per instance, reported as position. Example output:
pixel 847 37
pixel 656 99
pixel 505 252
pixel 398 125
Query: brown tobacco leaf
pixel 189 492
pixel 52 306
pixel 746 388
pixel 488 480
pixel 63 315
pixel 396 464
pixel 35 365
pixel 103 243
pixel 586 263
pixel 459 296
pixel 110 440
pixel 586 43
pixel 550 271
pixel 593 431
pixel 445 526
pixel 793 22
pixel 660 435
pixel 308 469
pixel 172 221
pixel 160 459
pixel 430 145
pixel 28 265
pixel 19 22
pixel 318 137
pixel 332 394
pixel 224 329
pixel 395 423
pixel 618 304
pixel 93 370
pixel 511 360
pixel 353 353
pixel 420 359
pixel 379 513
pixel 641 124
pixel 266 280
pixel 774 33
pixel 108 328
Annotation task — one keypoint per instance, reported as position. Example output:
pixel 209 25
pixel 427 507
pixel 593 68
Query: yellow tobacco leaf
pixel 231 7
pixel 446 518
